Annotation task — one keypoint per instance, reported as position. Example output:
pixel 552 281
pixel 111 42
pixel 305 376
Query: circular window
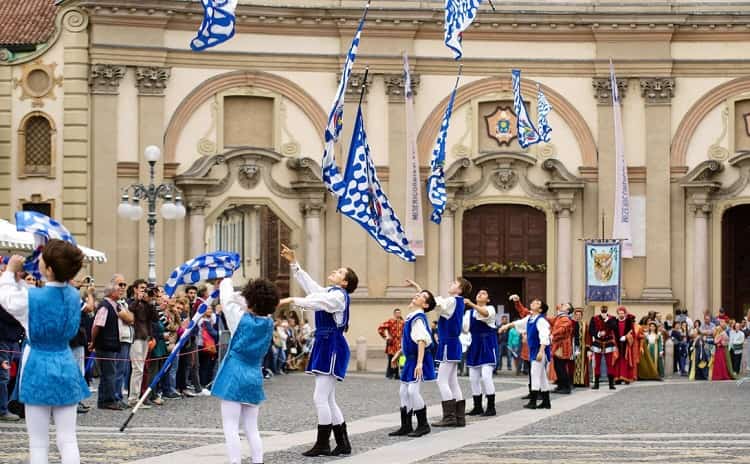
pixel 39 82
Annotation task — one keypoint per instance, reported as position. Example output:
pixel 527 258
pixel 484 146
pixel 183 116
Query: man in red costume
pixel 625 366
pixel 602 329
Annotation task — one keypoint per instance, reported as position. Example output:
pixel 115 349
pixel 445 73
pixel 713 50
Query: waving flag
pixel 414 222
pixel 332 178
pixel 436 182
pixel 621 227
pixel 215 265
pixel 459 14
pixel 527 133
pixel 364 201
pixel 217 26
pixel 43 228
pixel 543 109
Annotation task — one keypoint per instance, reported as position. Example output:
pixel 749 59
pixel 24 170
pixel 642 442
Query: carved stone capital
pixel 394 86
pixel 700 208
pixel 312 209
pixel 450 209
pixel 564 207
pixel 603 89
pixel 196 206
pixel 104 79
pixel 151 80
pixel 657 90
pixel 354 86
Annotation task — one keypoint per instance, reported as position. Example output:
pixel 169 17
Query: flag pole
pixel 364 84
pixel 492 5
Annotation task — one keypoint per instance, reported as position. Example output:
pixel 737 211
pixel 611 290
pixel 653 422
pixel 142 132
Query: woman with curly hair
pixel 239 382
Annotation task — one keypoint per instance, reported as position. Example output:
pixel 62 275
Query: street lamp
pixel 171 208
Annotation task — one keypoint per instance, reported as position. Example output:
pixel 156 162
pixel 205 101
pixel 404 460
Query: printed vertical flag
pixel 332 178
pixel 43 228
pixel 364 201
pixel 527 133
pixel 459 14
pixel 217 26
pixel 621 227
pixel 543 109
pixel 414 223
pixel 603 270
pixel 436 182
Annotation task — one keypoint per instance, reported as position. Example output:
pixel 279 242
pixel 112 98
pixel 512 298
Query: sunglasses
pixel 122 285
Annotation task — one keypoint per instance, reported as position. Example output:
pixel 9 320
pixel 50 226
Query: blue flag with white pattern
pixel 459 14
pixel 436 182
pixel 543 109
pixel 43 228
pixel 527 133
pixel 364 201
pixel 215 265
pixel 217 26
pixel 332 177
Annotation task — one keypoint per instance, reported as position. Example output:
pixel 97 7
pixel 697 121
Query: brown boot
pixel 461 413
pixel 449 415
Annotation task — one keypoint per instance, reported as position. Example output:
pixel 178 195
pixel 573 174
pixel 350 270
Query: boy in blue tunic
pixel 239 382
pixel 329 358
pixel 419 366
pixel 482 354
pixel 50 382
pixel 450 321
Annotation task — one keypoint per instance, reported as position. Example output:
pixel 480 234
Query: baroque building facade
pixel 241 129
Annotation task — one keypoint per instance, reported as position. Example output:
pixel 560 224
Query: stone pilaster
pixel 105 78
pixel 447 261
pixel 603 89
pixel 354 86
pixel 394 86
pixel 657 90
pixel 5 138
pixel 151 80
pixel 196 215
pixel 564 208
pixel 75 155
pixel 314 246
pixel 701 207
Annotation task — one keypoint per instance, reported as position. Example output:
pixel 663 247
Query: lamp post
pixel 171 208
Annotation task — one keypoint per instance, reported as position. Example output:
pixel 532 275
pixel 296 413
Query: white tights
pixel 481 379
pixel 411 398
pixel 447 380
pixel 539 381
pixel 37 426
pixel 232 413
pixel 324 398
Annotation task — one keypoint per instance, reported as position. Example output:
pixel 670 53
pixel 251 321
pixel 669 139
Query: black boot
pixel 322 446
pixel 611 382
pixel 532 401
pixel 490 411
pixel 461 413
pixel 406 427
pixel 449 415
pixel 423 428
pixel 596 384
pixel 545 401
pixel 527 396
pixel 477 409
pixel 342 440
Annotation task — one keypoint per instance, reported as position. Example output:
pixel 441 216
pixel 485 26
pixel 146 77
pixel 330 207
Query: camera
pixel 151 290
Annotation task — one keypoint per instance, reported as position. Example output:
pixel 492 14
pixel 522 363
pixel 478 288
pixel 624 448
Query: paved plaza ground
pixel 671 421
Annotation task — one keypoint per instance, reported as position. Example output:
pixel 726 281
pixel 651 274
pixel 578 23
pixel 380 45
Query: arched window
pixel 36 145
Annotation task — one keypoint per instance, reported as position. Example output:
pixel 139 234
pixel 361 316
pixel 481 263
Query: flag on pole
pixel 459 14
pixel 436 182
pixel 364 201
pixel 332 177
pixel 43 228
pixel 527 133
pixel 217 26
pixel 621 227
pixel 543 109
pixel 209 266
pixel 414 223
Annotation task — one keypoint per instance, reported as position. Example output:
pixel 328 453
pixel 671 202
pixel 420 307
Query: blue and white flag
pixel 215 265
pixel 364 201
pixel 436 182
pixel 217 26
pixel 459 14
pixel 543 109
pixel 332 177
pixel 527 133
pixel 43 228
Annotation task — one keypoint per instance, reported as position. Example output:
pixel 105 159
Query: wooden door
pixel 735 282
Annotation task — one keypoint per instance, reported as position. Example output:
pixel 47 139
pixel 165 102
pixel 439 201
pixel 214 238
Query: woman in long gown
pixel 651 365
pixel 719 367
pixel 581 375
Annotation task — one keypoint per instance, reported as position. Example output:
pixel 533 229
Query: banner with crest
pixel 603 271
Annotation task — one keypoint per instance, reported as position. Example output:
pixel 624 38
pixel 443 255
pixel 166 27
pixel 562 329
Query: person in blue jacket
pixel 239 382
pixel 50 382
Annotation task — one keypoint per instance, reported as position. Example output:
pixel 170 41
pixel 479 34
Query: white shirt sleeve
pixel 520 324
pixel 330 302
pixel 466 323
pixel 14 298
pixel 306 282
pixel 490 319
pixel 419 333
pixel 233 304
pixel 446 306
pixel 542 326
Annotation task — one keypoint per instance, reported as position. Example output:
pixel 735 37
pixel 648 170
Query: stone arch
pixel 216 84
pixel 697 112
pixel 466 93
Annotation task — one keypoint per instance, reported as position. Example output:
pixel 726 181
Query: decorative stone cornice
pixel 196 206
pixel 151 80
pixel 394 86
pixel 104 79
pixel 312 209
pixel 657 90
pixel 603 89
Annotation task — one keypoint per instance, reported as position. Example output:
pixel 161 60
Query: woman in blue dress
pixel 239 382
pixel 50 382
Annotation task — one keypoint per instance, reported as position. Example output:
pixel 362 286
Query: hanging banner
pixel 603 271
pixel 414 222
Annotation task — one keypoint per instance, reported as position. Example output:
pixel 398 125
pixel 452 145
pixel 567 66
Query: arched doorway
pixel 735 285
pixel 513 237
pixel 255 232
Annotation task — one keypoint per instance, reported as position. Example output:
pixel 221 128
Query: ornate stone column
pixel 314 246
pixel 701 210
pixel 564 208
pixel 657 93
pixel 196 215
pixel 447 263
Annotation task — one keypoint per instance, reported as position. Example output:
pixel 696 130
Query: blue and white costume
pixel 481 357
pixel 450 317
pixel 415 331
pixel 537 330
